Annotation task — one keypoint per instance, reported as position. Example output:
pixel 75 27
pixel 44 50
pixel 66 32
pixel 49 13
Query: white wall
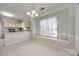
pixel 77 28
pixel 70 26
pixel 62 28
pixel 62 23
pixel 1 30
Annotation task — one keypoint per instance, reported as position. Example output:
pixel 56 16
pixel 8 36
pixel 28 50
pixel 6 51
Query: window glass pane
pixel 48 27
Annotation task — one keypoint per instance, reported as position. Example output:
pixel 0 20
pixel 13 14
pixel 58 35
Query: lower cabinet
pixel 1 42
pixel 16 37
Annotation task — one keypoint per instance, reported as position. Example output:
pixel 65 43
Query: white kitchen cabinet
pixel 16 37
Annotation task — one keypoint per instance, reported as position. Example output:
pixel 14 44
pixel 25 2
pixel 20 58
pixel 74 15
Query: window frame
pixel 46 18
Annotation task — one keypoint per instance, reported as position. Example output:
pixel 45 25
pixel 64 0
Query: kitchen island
pixel 16 37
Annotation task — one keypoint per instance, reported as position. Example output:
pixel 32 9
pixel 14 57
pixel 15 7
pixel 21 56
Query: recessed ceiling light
pixel 6 14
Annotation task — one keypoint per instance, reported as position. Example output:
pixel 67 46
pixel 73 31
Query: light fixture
pixel 33 13
pixel 28 13
pixel 6 14
pixel 36 14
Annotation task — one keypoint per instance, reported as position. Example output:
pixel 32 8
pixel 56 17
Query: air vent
pixel 42 9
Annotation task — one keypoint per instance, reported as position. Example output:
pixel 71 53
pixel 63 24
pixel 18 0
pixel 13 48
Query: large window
pixel 48 27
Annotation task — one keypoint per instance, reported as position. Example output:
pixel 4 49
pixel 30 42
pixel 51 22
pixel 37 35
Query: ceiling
pixel 20 9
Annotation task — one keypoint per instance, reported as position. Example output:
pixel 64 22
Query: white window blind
pixel 48 27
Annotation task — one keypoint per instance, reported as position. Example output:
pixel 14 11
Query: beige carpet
pixel 32 48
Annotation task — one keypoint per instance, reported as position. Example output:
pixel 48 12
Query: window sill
pixel 53 38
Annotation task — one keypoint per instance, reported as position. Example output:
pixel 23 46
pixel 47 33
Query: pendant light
pixel 32 13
